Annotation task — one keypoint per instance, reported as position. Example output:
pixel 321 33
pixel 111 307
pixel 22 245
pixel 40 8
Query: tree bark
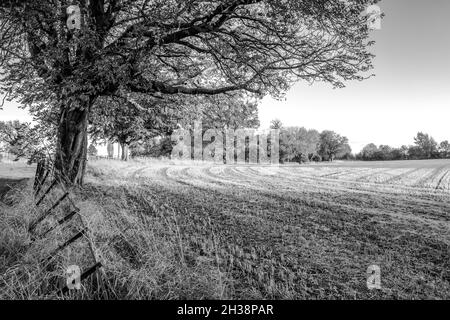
pixel 110 149
pixel 124 151
pixel 71 149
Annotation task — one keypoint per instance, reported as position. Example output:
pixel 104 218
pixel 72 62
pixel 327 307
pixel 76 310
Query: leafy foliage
pixel 333 145
pixel 426 144
pixel 20 139
pixel 425 148
pixel 219 112
pixel 230 111
pixel 173 47
pixel 444 149
pixel 298 144
pixel 92 150
pixel 127 123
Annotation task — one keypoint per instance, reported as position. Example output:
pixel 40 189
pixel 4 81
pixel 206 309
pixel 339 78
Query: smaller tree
pixel 415 153
pixel 369 152
pixel 346 153
pixel 316 158
pixel 332 145
pixel 110 149
pixel 404 152
pixel 298 144
pixel 128 123
pixel 385 152
pixel 92 150
pixel 444 149
pixel 396 154
pixel 20 139
pixel 426 144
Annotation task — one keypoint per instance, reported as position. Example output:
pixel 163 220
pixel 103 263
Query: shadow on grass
pixel 6 185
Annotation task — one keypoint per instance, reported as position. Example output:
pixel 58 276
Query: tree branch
pixel 143 85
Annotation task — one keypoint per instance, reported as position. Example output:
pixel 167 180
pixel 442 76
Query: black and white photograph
pixel 224 155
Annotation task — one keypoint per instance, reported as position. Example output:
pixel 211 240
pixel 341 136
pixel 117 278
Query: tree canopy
pixel 426 144
pixel 425 147
pixel 172 47
pixel 20 139
pixel 298 144
pixel 333 145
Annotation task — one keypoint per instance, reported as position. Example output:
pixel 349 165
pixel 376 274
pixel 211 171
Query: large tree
pixel 298 144
pixel 369 152
pixel 426 144
pixel 444 149
pixel 170 47
pixel 333 145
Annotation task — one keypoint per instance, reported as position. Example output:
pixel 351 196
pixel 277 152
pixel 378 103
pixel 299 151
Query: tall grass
pixel 142 247
pixel 177 232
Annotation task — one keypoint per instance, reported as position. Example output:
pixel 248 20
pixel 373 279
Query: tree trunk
pixel 110 149
pixel 71 149
pixel 124 151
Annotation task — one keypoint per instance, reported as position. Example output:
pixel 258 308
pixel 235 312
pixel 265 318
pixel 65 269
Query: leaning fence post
pixel 45 172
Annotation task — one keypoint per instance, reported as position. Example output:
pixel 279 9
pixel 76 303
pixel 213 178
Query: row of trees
pixel 19 139
pixel 218 112
pixel 425 147
pixel 146 134
pixel 298 144
pixel 164 51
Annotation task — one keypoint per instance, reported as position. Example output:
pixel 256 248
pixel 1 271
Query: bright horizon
pixel 410 92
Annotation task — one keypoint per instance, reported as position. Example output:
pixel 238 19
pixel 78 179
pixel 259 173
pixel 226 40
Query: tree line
pixel 146 139
pixel 298 144
pixel 424 147
pixel 157 57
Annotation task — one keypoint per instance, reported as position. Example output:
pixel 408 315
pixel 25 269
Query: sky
pixel 410 92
